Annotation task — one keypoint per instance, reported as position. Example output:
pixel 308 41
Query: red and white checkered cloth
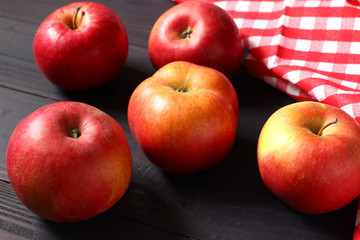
pixel 309 49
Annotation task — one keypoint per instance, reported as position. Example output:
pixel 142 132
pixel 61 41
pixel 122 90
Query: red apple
pixel 184 117
pixel 81 46
pixel 68 161
pixel 309 156
pixel 198 32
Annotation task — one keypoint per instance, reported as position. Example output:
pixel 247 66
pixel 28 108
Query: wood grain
pixel 17 222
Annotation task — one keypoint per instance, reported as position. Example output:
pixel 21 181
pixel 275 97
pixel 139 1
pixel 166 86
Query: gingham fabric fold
pixel 308 49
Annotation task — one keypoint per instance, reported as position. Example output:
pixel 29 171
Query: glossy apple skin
pixel 311 173
pixel 214 42
pixel 85 58
pixel 184 132
pixel 66 179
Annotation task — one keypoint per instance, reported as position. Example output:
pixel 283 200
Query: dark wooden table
pixel 228 201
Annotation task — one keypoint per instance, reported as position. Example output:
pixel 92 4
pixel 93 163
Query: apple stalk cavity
pixel 74 133
pixel 182 90
pixel 186 33
pixel 327 125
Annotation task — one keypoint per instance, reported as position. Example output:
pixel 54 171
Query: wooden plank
pixel 17 222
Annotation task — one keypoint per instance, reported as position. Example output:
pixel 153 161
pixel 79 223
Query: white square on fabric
pixel 293 76
pixel 260 24
pixel 277 40
pixel 349 109
pixel 352 69
pixel 356 23
pixel 293 89
pixel 266 6
pixel 307 23
pixel 319 92
pixel 303 45
pixel 272 61
pixel 333 23
pixel 221 4
pixel 296 62
pixel 329 46
pixel 355 48
pixel 239 22
pixel 349 84
pixel 318 75
pixel 254 41
pixel 337 3
pixel 242 6
pixel 270 80
pixel 312 3
pixel 341 91
pixel 282 21
pixel 325 66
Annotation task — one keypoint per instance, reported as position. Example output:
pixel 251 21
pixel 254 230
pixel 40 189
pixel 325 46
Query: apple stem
pixel 186 33
pixel 327 125
pixel 74 133
pixel 75 24
pixel 181 89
